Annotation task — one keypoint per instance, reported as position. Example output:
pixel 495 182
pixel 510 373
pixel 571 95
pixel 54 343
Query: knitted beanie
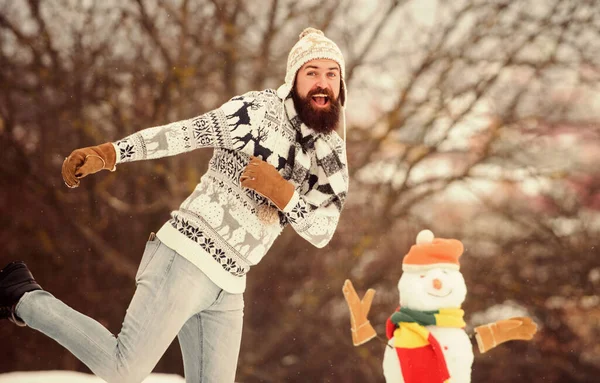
pixel 312 45
pixel 430 252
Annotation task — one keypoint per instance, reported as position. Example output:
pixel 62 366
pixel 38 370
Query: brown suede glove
pixel 82 162
pixel 490 335
pixel 361 328
pixel 263 178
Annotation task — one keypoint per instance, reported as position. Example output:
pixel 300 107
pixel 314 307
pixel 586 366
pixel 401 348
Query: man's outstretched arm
pixel 221 128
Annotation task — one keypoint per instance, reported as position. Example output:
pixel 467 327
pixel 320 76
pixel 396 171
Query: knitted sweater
pixel 217 228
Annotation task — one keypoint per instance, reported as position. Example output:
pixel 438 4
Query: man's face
pixel 316 94
pixel 322 73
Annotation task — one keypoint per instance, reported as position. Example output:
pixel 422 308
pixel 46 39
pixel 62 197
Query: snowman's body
pixel 458 353
pixel 430 287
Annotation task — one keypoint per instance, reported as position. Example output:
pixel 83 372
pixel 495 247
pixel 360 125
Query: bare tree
pixel 476 119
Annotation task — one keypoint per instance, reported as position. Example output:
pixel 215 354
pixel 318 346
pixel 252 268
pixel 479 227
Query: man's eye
pixel 310 74
pixel 332 75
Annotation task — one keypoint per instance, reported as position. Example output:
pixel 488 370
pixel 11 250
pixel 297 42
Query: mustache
pixel 319 90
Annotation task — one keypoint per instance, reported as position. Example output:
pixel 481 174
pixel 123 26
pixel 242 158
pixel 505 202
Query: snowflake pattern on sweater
pixel 220 216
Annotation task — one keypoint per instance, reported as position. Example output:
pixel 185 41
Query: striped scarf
pixel 330 150
pixel 420 355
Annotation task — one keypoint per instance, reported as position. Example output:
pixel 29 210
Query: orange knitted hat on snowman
pixel 430 252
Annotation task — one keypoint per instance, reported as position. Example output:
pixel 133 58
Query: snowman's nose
pixel 437 284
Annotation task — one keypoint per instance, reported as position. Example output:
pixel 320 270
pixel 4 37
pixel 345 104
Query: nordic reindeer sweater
pixel 217 227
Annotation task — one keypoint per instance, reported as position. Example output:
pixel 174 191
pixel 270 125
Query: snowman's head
pixel 432 289
pixel 431 279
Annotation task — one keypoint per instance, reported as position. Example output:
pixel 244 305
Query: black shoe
pixel 15 280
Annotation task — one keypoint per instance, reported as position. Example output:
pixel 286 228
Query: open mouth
pixel 440 295
pixel 320 100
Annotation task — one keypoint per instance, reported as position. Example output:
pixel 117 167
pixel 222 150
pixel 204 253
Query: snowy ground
pixel 75 377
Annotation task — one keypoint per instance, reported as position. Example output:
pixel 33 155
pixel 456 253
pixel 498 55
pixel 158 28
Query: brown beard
pixel 319 120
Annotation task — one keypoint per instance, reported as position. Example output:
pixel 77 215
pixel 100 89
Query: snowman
pixel 427 341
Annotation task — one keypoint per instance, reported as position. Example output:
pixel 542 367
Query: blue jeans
pixel 172 298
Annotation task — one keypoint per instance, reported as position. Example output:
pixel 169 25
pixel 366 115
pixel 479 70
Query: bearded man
pixel 277 160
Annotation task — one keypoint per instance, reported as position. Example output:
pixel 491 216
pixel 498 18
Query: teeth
pixel 320 95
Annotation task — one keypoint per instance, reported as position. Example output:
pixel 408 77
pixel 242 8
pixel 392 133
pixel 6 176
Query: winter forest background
pixel 477 119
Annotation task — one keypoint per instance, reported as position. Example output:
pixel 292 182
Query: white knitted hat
pixel 312 45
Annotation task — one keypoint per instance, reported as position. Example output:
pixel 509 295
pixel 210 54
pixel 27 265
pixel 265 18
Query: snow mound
pixel 75 377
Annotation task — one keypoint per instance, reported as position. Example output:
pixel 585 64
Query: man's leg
pixel 210 341
pixel 162 303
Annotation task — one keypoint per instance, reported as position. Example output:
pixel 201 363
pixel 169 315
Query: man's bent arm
pixel 315 224
pixel 315 215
